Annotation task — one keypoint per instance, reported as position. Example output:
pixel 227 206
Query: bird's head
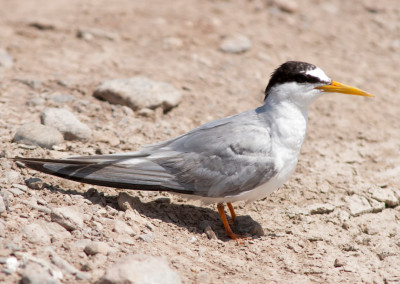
pixel 302 83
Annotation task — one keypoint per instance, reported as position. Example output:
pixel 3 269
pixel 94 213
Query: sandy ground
pixel 352 143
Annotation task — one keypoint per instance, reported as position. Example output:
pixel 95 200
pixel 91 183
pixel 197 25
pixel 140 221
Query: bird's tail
pixel 108 171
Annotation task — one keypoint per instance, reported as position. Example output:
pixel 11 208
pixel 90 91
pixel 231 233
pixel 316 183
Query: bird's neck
pixel 288 122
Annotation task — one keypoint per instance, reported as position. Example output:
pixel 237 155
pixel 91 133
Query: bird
pixel 246 156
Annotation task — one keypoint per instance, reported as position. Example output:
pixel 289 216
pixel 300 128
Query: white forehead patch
pixel 317 72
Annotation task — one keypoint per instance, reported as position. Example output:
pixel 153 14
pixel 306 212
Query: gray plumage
pixel 222 158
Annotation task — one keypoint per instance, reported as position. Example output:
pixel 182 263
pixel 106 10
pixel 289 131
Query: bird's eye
pixel 300 78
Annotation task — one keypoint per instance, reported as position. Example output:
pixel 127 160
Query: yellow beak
pixel 336 87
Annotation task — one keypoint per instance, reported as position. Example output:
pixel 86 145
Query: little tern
pixel 242 157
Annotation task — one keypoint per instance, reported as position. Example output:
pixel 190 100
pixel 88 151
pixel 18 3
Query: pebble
pixel 22 187
pixel 358 205
pixel 15 191
pixel 339 263
pixel 319 208
pixel 2 205
pixel 96 247
pixel 39 135
pixel 12 263
pixel 34 273
pixel 107 136
pixel 36 234
pixel 385 195
pixel 35 102
pixel 138 93
pixel 66 122
pixel 6 61
pixel 235 44
pixel 287 6
pixel 246 225
pixel 68 217
pixel 90 33
pixel 140 268
pixel 149 237
pixel 121 227
pixel 205 226
pixel 34 183
pixel 61 98
pixel 12 176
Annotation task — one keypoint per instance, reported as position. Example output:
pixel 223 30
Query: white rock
pixel 235 44
pixel 138 93
pixel 140 269
pixel 65 122
pixel 38 134
pixel 35 233
pixel 68 217
pixel 358 205
pixel 385 195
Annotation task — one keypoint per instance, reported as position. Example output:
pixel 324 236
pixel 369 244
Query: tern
pixel 242 157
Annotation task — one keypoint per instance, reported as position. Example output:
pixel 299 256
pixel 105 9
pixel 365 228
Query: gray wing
pixel 221 158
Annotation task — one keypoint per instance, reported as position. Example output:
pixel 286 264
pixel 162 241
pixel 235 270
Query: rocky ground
pixel 335 221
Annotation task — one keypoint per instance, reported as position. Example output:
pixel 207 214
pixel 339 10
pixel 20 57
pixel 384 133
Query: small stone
pixel 22 187
pixel 68 217
pixel 122 228
pixel 246 225
pixel 36 234
pixel 339 263
pixel 34 183
pixel 149 237
pixel 90 33
pixel 107 136
pixel 34 273
pixel 235 44
pixel 140 268
pixel 287 6
pixel 97 247
pixel 15 191
pixel 138 93
pixel 12 263
pixel 35 102
pixel 66 122
pixel 205 226
pixel 6 61
pixel 38 134
pixel 61 98
pixel 12 176
pixel 385 195
pixel 320 208
pixel 2 205
pixel 358 205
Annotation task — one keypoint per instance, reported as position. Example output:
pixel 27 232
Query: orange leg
pixel 228 229
pixel 233 214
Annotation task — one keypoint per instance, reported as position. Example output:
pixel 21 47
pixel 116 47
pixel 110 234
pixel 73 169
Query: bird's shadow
pixel 193 218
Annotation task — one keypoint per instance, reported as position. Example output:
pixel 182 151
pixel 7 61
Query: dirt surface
pixel 352 144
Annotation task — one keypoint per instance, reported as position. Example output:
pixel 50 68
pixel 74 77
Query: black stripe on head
pixel 292 71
